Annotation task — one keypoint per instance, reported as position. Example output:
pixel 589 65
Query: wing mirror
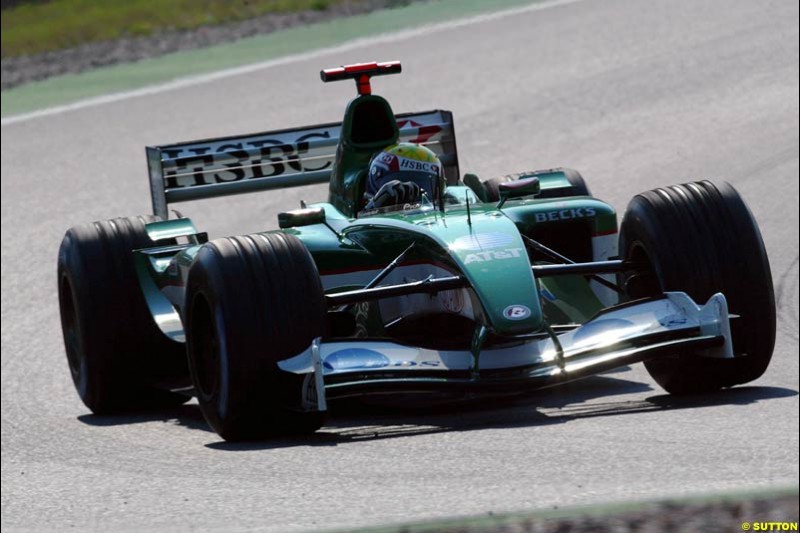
pixel 518 189
pixel 301 217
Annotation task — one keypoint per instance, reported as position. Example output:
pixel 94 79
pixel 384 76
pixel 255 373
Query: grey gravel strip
pixel 776 511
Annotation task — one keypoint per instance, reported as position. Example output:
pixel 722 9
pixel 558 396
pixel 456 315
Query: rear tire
pixel 701 239
pixel 114 348
pixel 252 301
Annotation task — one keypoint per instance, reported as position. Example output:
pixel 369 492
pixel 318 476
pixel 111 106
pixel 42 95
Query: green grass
pixel 74 87
pixel 40 27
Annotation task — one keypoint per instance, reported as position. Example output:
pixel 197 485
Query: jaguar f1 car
pixel 492 287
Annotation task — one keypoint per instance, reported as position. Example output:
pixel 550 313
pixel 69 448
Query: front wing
pixel 659 327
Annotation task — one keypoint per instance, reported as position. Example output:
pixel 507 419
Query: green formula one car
pixel 474 288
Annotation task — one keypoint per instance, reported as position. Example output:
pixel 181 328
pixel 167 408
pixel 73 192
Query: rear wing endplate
pixel 275 159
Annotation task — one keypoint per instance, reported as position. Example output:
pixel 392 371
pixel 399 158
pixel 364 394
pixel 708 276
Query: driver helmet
pixel 406 162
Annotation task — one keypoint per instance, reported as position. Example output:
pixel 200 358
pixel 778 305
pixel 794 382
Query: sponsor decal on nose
pixel 516 312
pixel 491 255
pixel 482 240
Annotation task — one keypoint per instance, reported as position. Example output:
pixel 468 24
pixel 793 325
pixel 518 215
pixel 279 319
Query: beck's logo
pixel 566 214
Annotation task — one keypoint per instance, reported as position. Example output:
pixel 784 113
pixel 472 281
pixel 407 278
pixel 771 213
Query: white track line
pixel 190 81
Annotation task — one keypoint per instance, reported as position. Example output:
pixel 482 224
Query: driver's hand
pixel 395 192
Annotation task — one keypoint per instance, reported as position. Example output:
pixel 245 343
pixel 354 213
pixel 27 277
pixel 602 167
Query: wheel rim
pixel 648 283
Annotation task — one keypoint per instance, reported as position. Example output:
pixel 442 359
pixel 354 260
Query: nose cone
pixel 492 256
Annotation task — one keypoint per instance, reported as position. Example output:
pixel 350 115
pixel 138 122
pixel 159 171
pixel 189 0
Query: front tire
pixel 252 301
pixel 114 348
pixel 701 239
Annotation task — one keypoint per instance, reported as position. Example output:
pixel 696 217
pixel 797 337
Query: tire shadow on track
pixel 187 416
pixel 352 422
pixel 350 414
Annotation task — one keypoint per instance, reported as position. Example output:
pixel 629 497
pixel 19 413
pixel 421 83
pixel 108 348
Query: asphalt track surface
pixel 634 94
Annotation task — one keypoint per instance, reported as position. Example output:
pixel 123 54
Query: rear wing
pixel 275 159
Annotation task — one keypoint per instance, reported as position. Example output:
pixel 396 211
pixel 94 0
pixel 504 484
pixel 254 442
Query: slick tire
pixel 114 348
pixel 252 301
pixel 577 186
pixel 701 238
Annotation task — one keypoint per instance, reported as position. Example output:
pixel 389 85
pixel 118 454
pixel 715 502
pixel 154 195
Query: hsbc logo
pixel 249 158
pixel 410 164
pixel 566 214
pixel 516 312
